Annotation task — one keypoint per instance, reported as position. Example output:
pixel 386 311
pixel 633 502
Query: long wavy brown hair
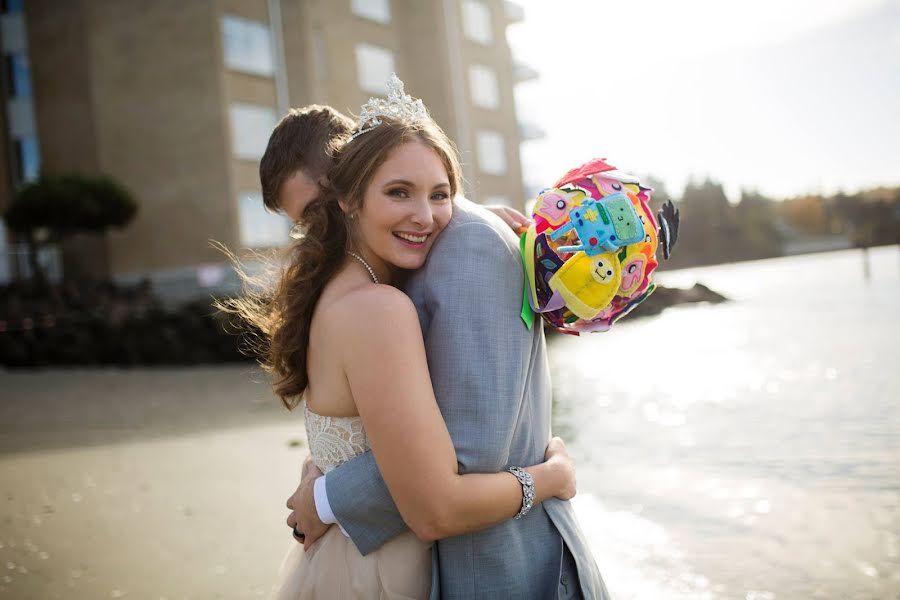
pixel 284 317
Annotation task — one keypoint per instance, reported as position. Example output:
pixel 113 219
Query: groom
pixel 492 384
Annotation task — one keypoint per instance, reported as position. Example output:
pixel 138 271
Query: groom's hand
pixel 302 503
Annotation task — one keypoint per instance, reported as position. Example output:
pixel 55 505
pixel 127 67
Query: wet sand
pixel 143 484
pixel 170 484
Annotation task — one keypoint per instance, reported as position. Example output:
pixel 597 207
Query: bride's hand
pixel 516 220
pixel 557 456
pixel 303 508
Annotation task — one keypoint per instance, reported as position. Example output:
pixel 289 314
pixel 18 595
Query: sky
pixel 784 97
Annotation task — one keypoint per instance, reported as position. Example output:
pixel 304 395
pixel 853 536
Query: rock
pixel 665 297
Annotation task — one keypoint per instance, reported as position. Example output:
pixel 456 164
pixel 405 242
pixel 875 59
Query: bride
pixel 341 335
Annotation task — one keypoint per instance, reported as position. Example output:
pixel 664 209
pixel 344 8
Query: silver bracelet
pixel 527 482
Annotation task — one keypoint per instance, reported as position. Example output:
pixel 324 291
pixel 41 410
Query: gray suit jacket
pixel 492 383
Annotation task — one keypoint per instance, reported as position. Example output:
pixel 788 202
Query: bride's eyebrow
pixel 410 184
pixel 405 182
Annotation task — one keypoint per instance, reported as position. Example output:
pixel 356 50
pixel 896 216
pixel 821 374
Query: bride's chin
pixel 414 263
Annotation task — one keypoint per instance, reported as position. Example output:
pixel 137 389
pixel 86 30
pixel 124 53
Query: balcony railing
pixel 530 131
pixel 524 72
pixel 514 11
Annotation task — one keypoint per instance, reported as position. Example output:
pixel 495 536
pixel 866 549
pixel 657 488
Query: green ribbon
pixel 527 313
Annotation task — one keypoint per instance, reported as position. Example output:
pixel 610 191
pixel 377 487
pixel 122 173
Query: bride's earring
pixel 297 232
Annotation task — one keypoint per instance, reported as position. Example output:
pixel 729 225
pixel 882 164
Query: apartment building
pixel 176 101
pixel 20 160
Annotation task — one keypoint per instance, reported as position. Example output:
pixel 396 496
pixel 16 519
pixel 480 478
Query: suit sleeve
pixel 362 503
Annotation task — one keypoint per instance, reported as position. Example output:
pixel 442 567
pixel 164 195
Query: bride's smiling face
pixel 405 206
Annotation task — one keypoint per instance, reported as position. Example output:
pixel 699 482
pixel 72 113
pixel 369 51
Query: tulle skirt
pixel 334 568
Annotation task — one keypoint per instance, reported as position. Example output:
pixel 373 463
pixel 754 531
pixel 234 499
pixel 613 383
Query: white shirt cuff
pixel 323 508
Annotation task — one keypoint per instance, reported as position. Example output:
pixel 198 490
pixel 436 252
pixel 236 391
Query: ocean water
pixel 748 450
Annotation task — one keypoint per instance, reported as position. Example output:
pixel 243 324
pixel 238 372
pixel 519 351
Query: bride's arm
pixel 384 360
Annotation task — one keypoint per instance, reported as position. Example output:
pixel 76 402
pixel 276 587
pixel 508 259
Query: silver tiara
pixel 399 106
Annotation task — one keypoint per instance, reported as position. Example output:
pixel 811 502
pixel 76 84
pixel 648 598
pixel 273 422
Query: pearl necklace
pixel 365 264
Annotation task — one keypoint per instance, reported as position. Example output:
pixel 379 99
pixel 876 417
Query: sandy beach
pixel 741 467
pixel 144 484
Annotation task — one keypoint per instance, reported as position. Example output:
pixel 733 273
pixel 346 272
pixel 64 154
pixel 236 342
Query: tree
pixel 660 194
pixel 707 227
pixel 54 207
pixel 807 214
pixel 759 237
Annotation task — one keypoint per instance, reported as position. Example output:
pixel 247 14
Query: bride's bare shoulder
pixel 371 310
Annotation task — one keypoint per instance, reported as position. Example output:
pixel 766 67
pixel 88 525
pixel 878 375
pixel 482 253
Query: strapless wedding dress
pixel 333 567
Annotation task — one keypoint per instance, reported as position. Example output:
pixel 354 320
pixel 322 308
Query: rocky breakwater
pixel 665 297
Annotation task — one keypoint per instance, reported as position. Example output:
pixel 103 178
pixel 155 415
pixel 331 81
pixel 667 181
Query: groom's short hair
pixel 305 139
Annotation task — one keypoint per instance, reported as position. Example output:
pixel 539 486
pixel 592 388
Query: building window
pixel 483 87
pixel 248 46
pixel 477 21
pixel 259 227
pixel 13 35
pixel 20 117
pixel 13 6
pixel 18 75
pixel 373 66
pixel 374 10
pixel 5 256
pixel 491 152
pixel 48 257
pixel 251 126
pixel 28 159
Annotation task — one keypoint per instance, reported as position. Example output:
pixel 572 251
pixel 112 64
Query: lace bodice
pixel 334 440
